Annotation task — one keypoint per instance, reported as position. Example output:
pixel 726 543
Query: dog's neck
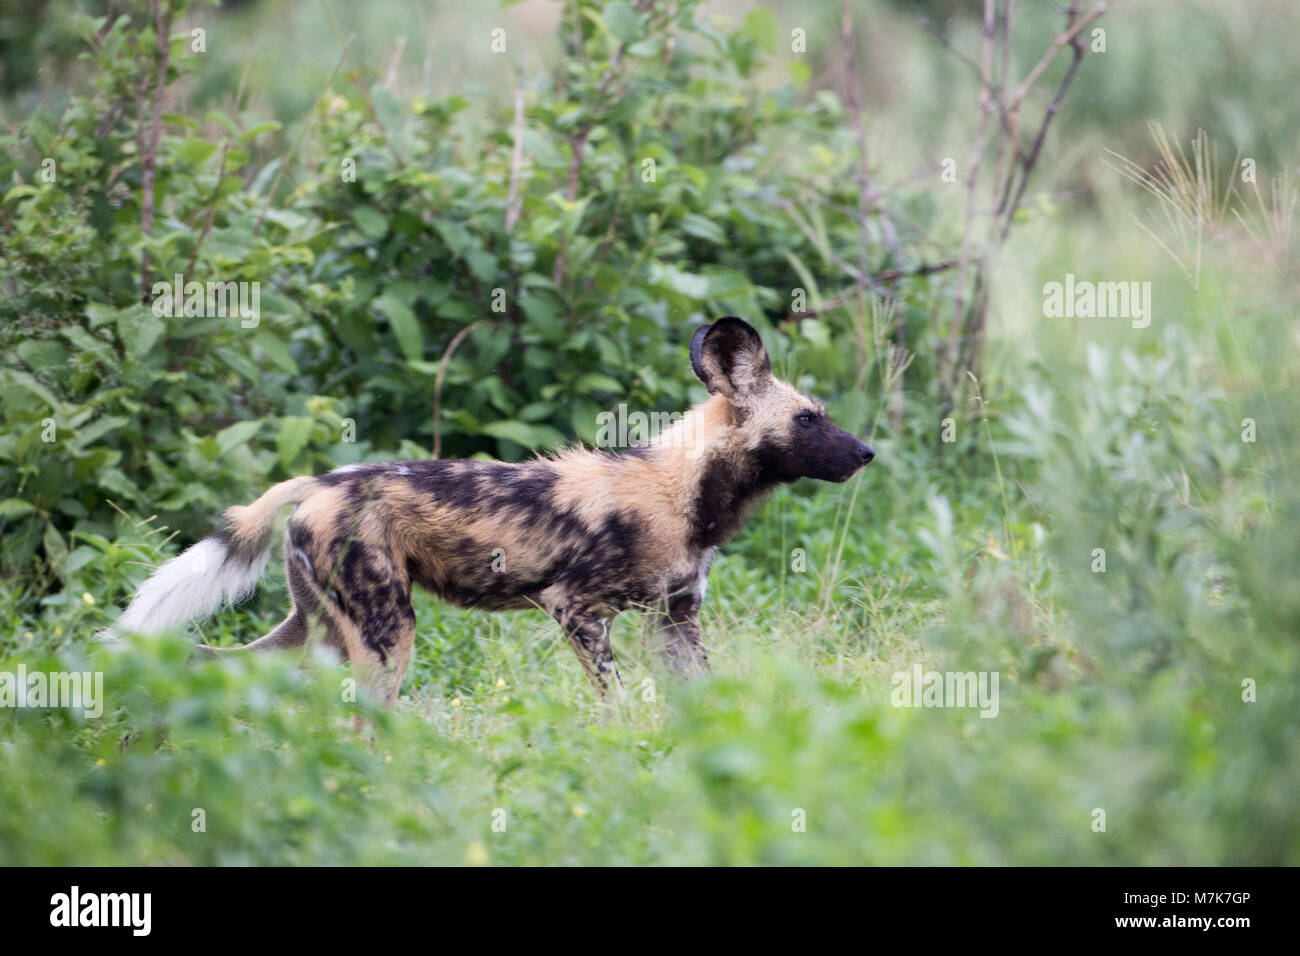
pixel 712 476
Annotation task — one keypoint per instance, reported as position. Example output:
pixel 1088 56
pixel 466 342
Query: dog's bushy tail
pixel 218 571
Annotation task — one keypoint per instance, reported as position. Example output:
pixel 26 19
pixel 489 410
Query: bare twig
pixel 1072 30
pixel 514 204
pixel 1027 163
pixel 889 275
pixel 852 271
pixel 212 210
pixel 867 200
pixel 578 141
pixel 960 300
pixel 980 243
pixel 162 20
pixel 275 182
pixel 437 382
pixel 391 77
pixel 944 42
pixel 388 137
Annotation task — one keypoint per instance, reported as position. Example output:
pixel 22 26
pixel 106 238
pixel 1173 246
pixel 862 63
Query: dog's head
pixel 788 432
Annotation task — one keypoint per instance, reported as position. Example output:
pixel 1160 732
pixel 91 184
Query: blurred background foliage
pixel 1121 689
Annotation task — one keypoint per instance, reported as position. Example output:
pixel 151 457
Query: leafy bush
pixel 519 275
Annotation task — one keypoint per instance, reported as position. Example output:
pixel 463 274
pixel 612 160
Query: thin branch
pixel 1031 159
pixel 867 200
pixel 960 300
pixel 889 275
pixel 149 147
pixel 212 210
pixel 854 273
pixel 578 141
pixel 514 204
pixel 1059 41
pixel 944 42
pixel 437 382
pixel 391 77
pixel 302 133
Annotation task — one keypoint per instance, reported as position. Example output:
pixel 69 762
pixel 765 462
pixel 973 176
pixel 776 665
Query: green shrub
pixel 518 277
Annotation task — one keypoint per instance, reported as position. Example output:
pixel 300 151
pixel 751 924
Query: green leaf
pixel 816 333
pixel 98 313
pixel 405 326
pixel 761 27
pixel 623 21
pixel 596 382
pixel 79 558
pixel 370 221
pixel 542 314
pixel 542 150
pixel 20 191
pixel 527 435
pixel 240 433
pixel 86 437
pixel 482 264
pixel 139 329
pixel 455 235
pixel 56 549
pixel 702 228
pixel 276 350
pixel 192 151
pixel 30 384
pixel 257 131
pixel 15 508
pixel 295 432
pixel 388 110
pixel 42 355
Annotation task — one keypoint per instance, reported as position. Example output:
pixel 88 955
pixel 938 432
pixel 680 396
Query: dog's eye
pixel 805 418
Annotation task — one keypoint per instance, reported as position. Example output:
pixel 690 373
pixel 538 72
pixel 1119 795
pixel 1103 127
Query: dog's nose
pixel 867 453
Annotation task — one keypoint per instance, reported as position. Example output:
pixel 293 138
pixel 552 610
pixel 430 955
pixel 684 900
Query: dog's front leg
pixel 588 632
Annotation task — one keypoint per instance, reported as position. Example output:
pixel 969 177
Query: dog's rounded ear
pixel 729 358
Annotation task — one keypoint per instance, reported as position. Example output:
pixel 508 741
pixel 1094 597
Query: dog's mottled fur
pixel 583 534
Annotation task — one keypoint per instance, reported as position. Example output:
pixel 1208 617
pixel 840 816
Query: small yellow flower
pixel 99 762
pixel 88 597
pixel 476 854
pixel 579 810
pixel 993 549
pixel 501 682
pixel 455 702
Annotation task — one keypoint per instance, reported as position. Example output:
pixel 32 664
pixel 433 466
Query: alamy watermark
pixel 624 429
pixel 208 300
pixel 917 688
pixel 133 911
pixel 1084 299
pixel 75 690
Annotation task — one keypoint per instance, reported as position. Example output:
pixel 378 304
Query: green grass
pixel 1119 691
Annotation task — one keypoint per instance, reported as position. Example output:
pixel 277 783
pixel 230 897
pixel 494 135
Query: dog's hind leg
pixel 293 631
pixel 375 622
pixel 288 634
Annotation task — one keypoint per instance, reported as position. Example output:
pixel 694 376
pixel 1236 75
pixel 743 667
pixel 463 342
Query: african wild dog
pixel 583 534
